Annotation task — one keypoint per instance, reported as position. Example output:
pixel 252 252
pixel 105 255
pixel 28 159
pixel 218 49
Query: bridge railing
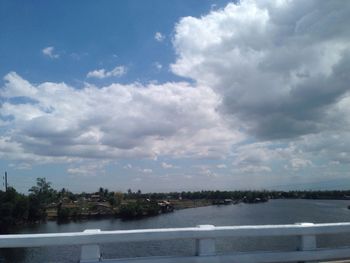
pixel 205 236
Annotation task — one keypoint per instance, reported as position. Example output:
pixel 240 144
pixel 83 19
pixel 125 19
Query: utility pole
pixel 5 178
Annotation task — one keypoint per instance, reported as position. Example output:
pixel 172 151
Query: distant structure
pixel 5 181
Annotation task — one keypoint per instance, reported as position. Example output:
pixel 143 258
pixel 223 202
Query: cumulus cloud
pixel 253 158
pixel 297 163
pixel 50 52
pixel 103 73
pixel 88 168
pixel 60 122
pixel 208 173
pixel 270 91
pixel 127 166
pixel 15 86
pixel 280 66
pixel 167 165
pixel 159 37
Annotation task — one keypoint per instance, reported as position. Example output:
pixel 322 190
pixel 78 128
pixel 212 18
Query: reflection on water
pixel 272 212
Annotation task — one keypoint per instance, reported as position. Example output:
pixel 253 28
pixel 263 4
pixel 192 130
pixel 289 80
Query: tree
pixel 40 196
pixel 105 193
pixel 43 191
pixel 20 211
pixel 62 193
pixel 13 209
pixel 63 213
pixel 112 201
pixel 119 197
pixel 36 210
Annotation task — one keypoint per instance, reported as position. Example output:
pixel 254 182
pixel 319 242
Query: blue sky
pixel 89 35
pixel 175 95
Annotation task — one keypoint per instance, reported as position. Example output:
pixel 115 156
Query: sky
pixel 175 95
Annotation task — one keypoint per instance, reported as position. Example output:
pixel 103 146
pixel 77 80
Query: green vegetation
pixel 44 202
pixel 40 196
pixel 139 209
pixel 250 196
pixel 13 209
pixel 17 208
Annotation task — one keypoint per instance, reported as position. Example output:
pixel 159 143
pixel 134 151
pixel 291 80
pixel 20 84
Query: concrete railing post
pixel 307 242
pixel 90 253
pixel 205 246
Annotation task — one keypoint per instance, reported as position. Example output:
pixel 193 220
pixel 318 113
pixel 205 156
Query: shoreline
pixel 177 205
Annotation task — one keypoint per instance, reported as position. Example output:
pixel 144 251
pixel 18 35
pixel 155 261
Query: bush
pixel 63 213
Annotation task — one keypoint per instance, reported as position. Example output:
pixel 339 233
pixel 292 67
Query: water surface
pixel 272 212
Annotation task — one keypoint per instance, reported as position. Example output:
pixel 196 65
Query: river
pixel 272 212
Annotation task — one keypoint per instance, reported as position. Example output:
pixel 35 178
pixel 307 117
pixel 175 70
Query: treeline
pixel 248 195
pixel 16 208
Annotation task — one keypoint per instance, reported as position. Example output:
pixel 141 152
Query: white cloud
pixel 88 168
pixel 253 158
pixel 208 173
pixel 21 166
pixel 102 73
pixel 167 165
pixel 157 65
pixel 333 146
pixel 159 37
pixel 128 166
pixel 116 121
pixel 255 169
pixel 279 65
pixel 261 156
pixel 15 86
pixel 297 163
pixel 280 68
pixel 272 72
pixel 50 52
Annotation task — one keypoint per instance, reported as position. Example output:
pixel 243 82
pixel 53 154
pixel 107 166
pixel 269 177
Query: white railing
pixel 204 235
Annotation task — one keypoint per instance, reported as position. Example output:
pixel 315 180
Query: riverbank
pixel 184 204
pixel 135 208
pixel 45 203
pixel 127 210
